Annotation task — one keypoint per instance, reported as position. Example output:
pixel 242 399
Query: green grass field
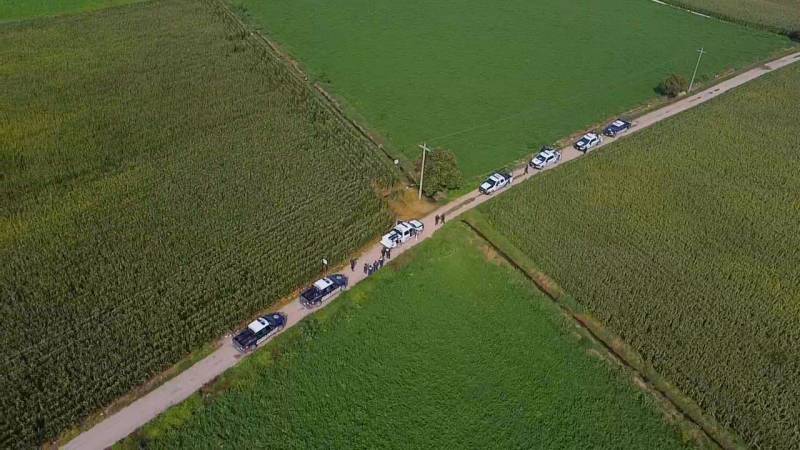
pixel 684 240
pixel 162 179
pixel 494 81
pixel 781 15
pixel 444 350
pixel 27 9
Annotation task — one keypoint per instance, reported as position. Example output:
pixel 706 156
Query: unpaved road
pixel 138 413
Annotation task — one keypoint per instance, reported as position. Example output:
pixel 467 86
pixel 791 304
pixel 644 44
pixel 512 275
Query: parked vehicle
pixel 588 141
pixel 495 182
pixel 616 127
pixel 546 157
pixel 323 290
pixel 259 331
pixel 402 232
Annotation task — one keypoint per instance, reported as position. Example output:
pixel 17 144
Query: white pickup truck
pixel 495 182
pixel 402 232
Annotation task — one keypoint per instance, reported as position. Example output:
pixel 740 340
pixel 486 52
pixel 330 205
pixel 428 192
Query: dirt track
pixel 138 413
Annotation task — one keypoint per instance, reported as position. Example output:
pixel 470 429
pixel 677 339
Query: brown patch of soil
pixel 405 204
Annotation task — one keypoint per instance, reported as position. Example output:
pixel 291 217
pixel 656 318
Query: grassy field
pixel 780 15
pixel 28 9
pixel 452 351
pixel 162 180
pixel 492 82
pixel 684 240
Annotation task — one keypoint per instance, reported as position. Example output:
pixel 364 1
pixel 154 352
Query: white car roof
pixel 546 153
pixel 257 325
pixel 497 177
pixel 618 123
pixel 323 283
pixel 590 135
pixel 402 227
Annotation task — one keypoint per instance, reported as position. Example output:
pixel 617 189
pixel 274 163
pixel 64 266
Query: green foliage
pixel 673 86
pixel 452 351
pixel 28 9
pixel 773 15
pixel 441 172
pixel 684 240
pixel 486 92
pixel 162 180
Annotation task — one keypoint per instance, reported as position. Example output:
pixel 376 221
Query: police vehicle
pixel 259 331
pixel 616 127
pixel 323 290
pixel 547 156
pixel 402 232
pixel 495 182
pixel 588 141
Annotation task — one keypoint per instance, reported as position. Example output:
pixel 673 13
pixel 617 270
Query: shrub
pixel 441 172
pixel 673 86
pixel 794 35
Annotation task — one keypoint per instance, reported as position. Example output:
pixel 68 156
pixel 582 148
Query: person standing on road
pixel 388 253
pixel 442 219
pixel 380 263
pixel 526 168
pixel 352 265
pixel 437 220
pixel 366 269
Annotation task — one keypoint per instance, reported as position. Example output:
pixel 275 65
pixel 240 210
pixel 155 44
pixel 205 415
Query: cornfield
pixel 162 179
pixel 685 240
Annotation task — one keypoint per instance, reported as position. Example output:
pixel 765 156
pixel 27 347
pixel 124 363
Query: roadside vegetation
pixel 491 83
pixel 11 10
pixel 776 15
pixel 447 347
pixel 163 178
pixel 683 239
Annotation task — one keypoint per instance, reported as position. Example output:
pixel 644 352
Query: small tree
pixel 673 85
pixel 794 35
pixel 441 172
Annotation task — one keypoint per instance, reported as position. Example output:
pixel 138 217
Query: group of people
pixel 370 268
pixel 386 253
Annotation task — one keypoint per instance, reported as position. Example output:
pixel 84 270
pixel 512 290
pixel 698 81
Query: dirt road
pixel 138 413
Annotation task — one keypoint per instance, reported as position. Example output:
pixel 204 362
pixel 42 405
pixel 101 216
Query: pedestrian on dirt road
pixel 388 253
pixel 437 220
pixel 526 169
pixel 380 263
pixel 366 269
pixel 442 219
pixel 352 265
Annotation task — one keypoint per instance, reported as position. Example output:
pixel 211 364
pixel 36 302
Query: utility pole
pixel 425 149
pixel 701 53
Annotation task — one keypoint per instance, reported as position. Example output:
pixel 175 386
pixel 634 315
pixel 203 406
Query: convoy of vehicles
pixel 495 182
pixel 402 232
pixel 588 141
pixel 259 331
pixel 617 127
pixel 547 156
pixel 322 290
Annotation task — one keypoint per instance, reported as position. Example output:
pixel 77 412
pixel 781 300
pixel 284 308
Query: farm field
pixel 781 15
pixel 493 82
pixel 163 179
pixel 442 349
pixel 683 239
pixel 28 9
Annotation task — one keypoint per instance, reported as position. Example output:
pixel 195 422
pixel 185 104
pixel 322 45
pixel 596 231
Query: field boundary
pixel 328 99
pixel 724 17
pixel 714 435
